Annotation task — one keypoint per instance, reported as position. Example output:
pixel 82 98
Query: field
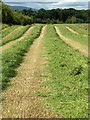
pixel 45 71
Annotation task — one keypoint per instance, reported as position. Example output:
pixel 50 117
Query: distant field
pixel 66 67
pixel 81 36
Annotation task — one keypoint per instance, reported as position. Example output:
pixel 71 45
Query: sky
pixel 49 4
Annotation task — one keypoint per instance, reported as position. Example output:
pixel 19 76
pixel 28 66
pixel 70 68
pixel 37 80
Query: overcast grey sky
pixel 78 4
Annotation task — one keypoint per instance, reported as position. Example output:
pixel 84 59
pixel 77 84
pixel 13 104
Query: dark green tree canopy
pixel 54 16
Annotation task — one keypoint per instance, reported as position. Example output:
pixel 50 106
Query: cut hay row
pixel 8 30
pixel 45 77
pixel 15 35
pixel 75 37
pixel 26 34
pixel 13 56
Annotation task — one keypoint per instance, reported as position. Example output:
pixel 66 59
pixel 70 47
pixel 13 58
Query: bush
pixel 79 20
pixel 14 17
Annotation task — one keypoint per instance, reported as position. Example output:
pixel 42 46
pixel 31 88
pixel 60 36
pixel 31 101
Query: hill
pixel 18 7
pixel 14 7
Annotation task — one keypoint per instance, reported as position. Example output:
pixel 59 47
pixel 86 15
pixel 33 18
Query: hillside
pixel 21 8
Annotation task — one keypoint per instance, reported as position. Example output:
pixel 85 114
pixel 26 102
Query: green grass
pixel 13 56
pixel 5 26
pixel 68 34
pixel 16 35
pixel 80 28
pixel 83 26
pixel 68 78
pixel 9 30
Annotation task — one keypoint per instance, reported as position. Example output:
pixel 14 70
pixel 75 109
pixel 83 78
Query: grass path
pixel 12 32
pixel 4 47
pixel 20 100
pixel 83 49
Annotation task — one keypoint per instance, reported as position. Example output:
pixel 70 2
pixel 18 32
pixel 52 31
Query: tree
pixel 73 19
pixel 53 16
pixel 7 14
pixel 41 13
pixel 79 20
pixel 15 17
pixel 68 21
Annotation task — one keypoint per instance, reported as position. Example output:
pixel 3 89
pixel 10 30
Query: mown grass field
pixel 5 26
pixel 67 68
pixel 81 37
pixel 9 30
pixel 14 56
pixel 68 78
pixel 81 29
pixel 15 35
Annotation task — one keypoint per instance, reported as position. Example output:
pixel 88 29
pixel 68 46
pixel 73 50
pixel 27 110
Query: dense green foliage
pixel 14 17
pixel 54 16
pixel 68 78
pixel 58 15
pixel 13 56
pixel 16 35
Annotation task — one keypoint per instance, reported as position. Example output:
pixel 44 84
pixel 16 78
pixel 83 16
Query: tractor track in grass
pixel 12 33
pixel 20 101
pixel 6 46
pixel 83 49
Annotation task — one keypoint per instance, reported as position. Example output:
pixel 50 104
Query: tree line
pixel 54 16
pixel 58 15
pixel 14 17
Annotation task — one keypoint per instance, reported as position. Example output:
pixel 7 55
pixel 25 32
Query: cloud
pixel 46 1
pixel 50 4
pixel 31 0
pixel 63 1
pixel 69 1
pixel 77 4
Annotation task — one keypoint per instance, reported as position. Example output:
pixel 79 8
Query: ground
pixel 20 100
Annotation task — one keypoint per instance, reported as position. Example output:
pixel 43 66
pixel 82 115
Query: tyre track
pixel 83 49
